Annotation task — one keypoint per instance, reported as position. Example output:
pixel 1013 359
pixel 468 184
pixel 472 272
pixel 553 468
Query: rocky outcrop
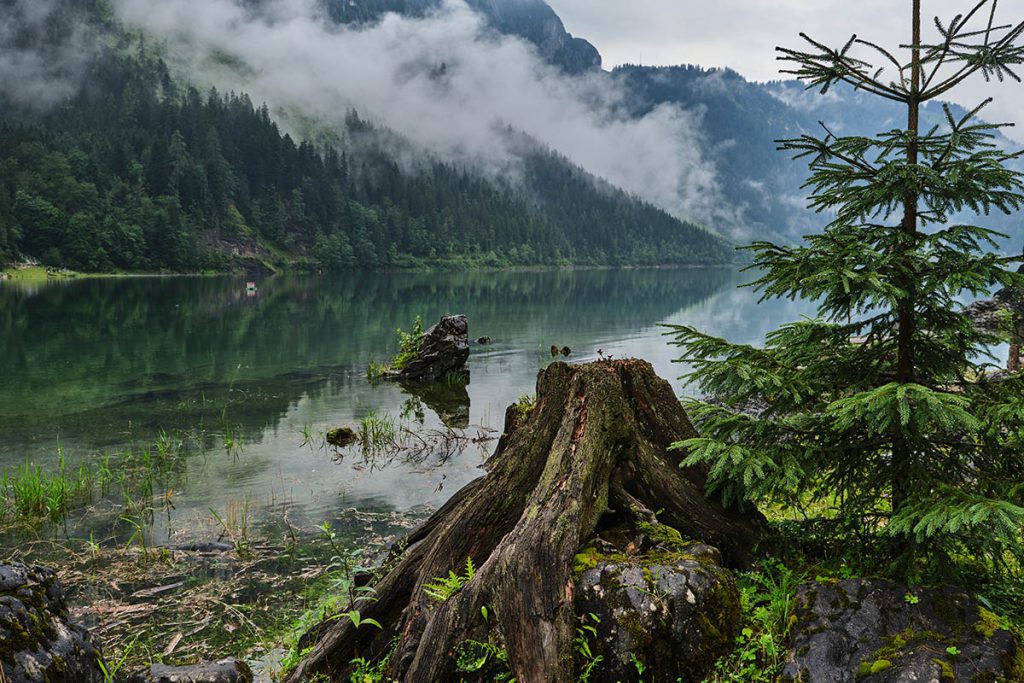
pixel 227 671
pixel 993 315
pixel 874 631
pixel 673 612
pixel 1003 314
pixel 443 349
pixel 38 643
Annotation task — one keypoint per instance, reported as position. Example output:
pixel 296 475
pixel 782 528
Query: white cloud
pixel 445 82
pixel 31 74
pixel 743 34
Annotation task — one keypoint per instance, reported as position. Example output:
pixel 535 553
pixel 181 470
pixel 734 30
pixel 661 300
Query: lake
pixel 249 382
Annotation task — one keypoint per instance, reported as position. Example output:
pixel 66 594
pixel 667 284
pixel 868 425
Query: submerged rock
pixel 227 671
pixel 874 631
pixel 675 612
pixel 484 341
pixel 38 643
pixel 342 437
pixel 203 547
pixel 443 350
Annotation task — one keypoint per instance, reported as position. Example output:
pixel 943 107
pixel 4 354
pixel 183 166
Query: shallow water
pixel 97 365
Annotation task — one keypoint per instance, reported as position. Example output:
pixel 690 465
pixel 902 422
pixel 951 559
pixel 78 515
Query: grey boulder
pixel 875 631
pixel 38 642
pixel 227 671
pixel 676 613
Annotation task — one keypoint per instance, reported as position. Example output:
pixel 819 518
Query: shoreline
pixel 23 274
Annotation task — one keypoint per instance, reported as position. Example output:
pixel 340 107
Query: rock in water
pixel 870 631
pixel 444 349
pixel 342 437
pixel 227 671
pixel 38 644
pixel 676 613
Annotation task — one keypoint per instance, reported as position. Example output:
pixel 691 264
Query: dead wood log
pixel 594 445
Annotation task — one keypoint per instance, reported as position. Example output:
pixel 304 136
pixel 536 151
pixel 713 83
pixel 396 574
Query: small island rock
pixel 444 349
pixel 342 437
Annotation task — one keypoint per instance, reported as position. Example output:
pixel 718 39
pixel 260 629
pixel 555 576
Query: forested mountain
pixel 532 20
pixel 134 168
pixel 742 120
pixel 139 171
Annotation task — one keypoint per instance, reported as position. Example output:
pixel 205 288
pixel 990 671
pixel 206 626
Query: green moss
pixel 947 671
pixel 584 560
pixel 868 668
pixel 631 623
pixel 662 533
pixel 1017 665
pixel 988 623
pixel 532 512
pixel 898 644
pixel 710 630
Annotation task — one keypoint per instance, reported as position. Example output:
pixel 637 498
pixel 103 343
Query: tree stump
pixel 593 448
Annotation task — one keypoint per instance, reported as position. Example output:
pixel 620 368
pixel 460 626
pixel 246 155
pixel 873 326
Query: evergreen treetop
pixel 886 405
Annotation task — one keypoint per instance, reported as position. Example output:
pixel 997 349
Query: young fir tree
pixel 886 404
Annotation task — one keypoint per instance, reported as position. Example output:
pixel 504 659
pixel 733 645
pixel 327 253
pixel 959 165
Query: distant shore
pixel 38 274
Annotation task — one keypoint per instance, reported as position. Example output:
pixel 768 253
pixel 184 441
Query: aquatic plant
pixel 30 492
pixel 376 431
pixel 408 351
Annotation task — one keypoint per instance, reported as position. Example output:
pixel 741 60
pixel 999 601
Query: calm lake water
pixel 94 366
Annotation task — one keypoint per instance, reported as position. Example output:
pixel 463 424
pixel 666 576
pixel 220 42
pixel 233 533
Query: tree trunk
pixel 595 443
pixel 902 455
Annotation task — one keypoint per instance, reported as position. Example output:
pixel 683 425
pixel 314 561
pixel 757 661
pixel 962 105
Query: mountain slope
pixel 742 120
pixel 533 20
pixel 135 171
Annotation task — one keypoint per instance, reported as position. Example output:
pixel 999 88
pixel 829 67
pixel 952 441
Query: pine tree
pixel 886 405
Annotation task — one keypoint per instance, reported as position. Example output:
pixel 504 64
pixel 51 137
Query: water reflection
pixel 97 364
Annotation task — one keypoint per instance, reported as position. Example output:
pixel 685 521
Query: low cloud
pixel 43 53
pixel 446 82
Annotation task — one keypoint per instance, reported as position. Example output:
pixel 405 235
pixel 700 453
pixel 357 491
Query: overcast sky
pixel 742 34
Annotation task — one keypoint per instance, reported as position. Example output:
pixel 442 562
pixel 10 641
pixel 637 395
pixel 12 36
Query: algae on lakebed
pixel 171 606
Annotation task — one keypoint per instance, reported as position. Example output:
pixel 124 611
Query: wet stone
pixel 226 671
pixel 38 642
pixel 443 350
pixel 677 613
pixel 875 631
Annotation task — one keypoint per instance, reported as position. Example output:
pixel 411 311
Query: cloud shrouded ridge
pixel 444 81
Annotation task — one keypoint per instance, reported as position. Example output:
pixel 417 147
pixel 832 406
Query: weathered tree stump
pixel 593 448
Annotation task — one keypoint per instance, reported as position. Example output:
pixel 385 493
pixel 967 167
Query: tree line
pixel 140 172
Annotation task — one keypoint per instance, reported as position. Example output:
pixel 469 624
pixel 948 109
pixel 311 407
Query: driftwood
pixel 594 447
